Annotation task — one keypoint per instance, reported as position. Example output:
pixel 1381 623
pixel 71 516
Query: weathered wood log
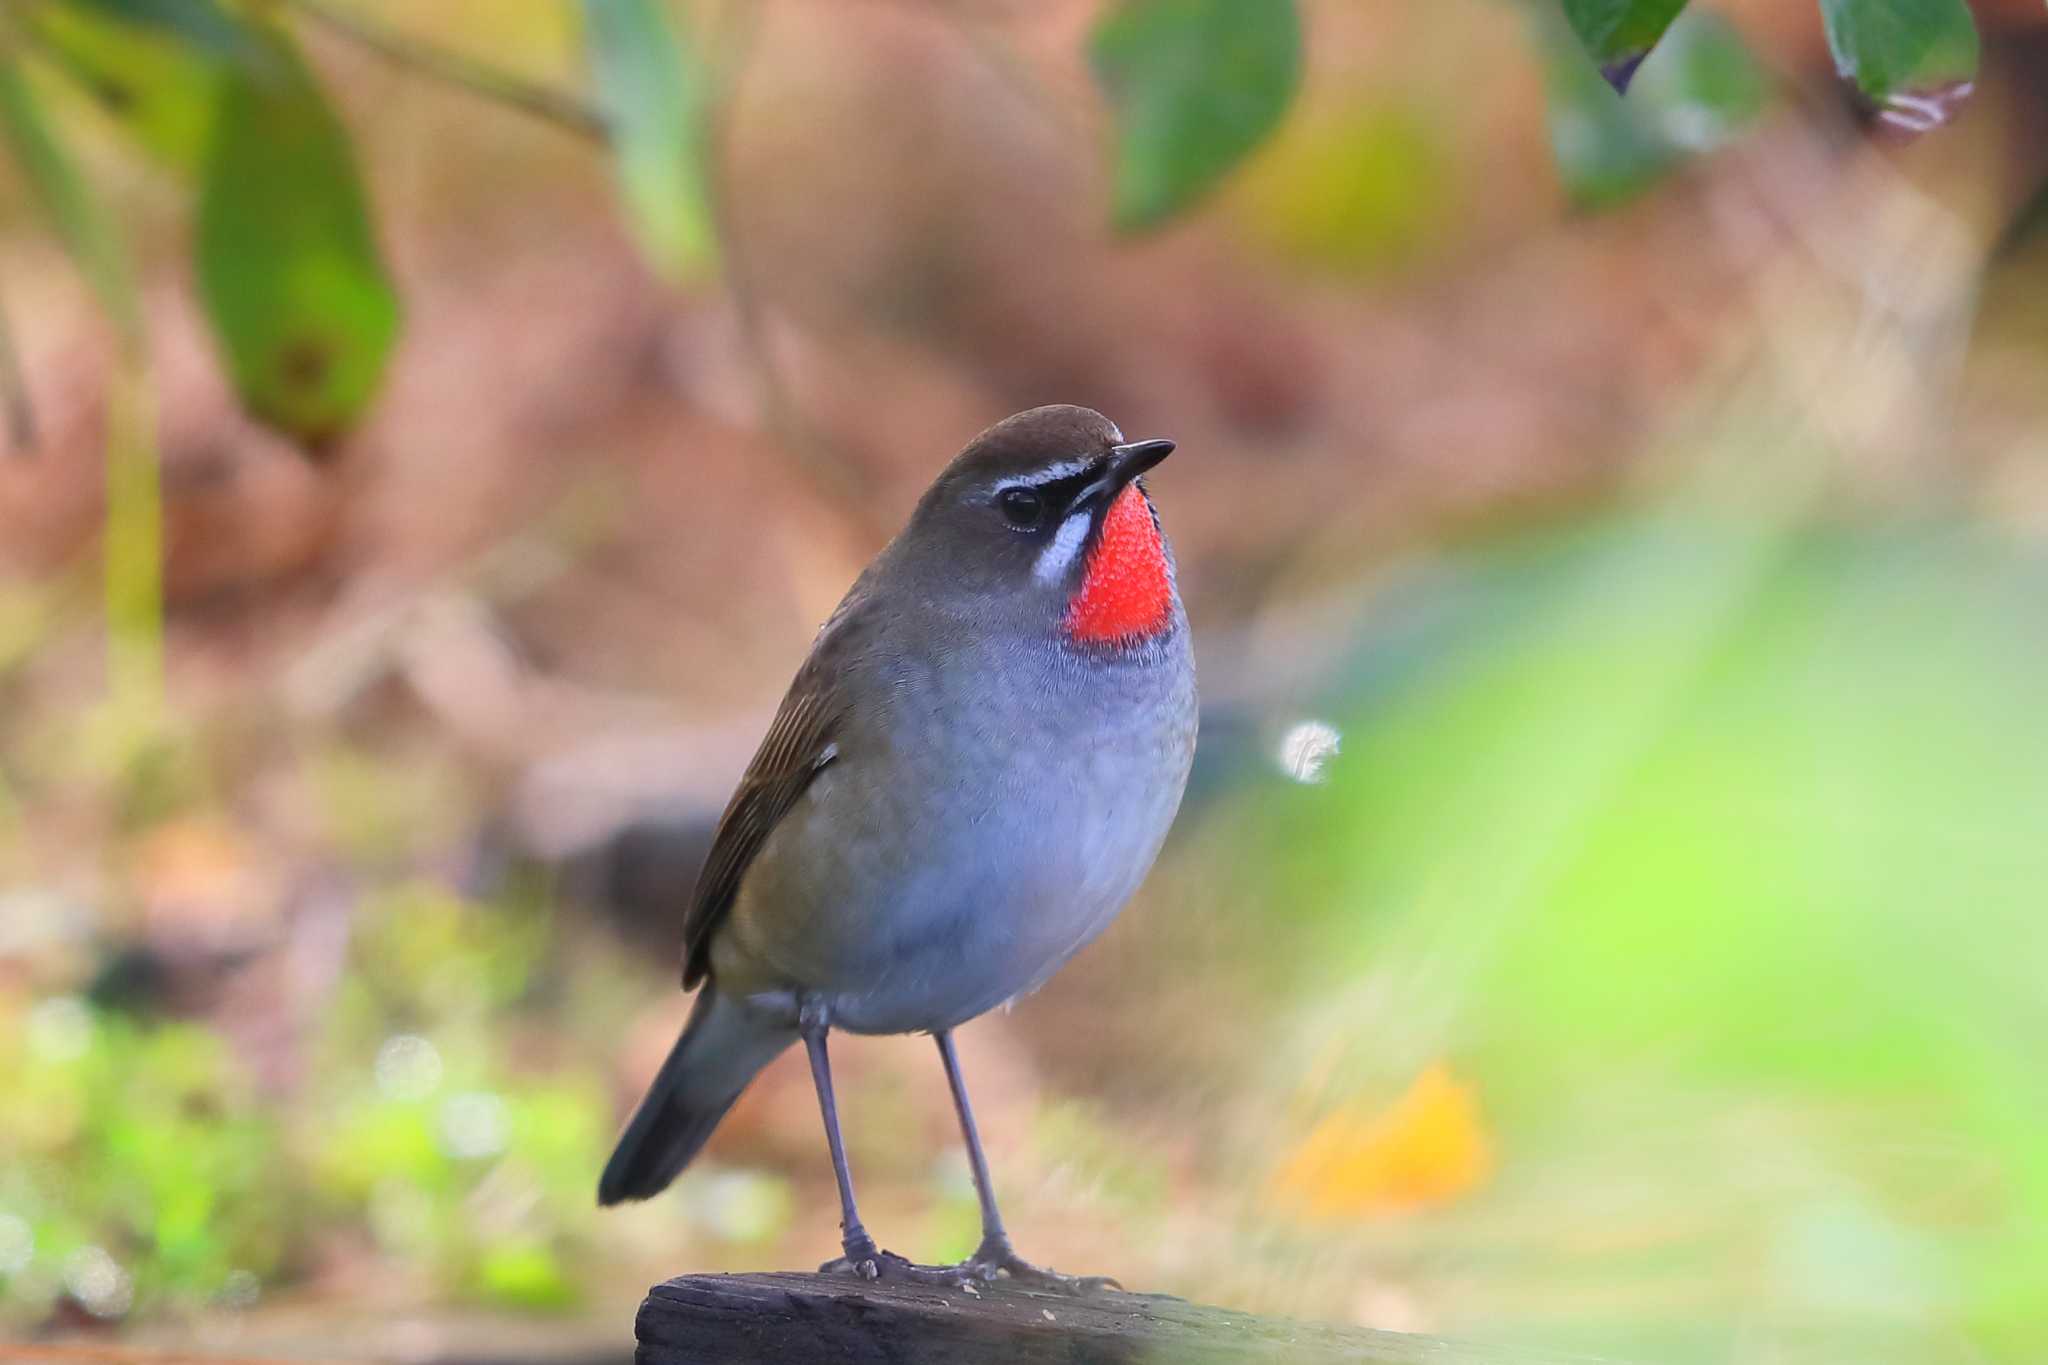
pixel 795 1319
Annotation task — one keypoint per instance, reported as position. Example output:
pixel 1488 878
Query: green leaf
pixel 1618 34
pixel 1195 86
pixel 1695 92
pixel 654 94
pixel 159 88
pixel 288 265
pixel 80 218
pixel 1913 60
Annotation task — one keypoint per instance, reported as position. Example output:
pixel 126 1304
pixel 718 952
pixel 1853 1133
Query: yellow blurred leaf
pixel 1427 1148
pixel 1362 191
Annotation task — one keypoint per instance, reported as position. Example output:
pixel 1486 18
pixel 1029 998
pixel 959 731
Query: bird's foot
pixel 864 1260
pixel 997 1257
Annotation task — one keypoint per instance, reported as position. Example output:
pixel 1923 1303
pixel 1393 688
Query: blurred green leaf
pixel 288 264
pixel 1914 60
pixel 654 93
pixel 1195 86
pixel 202 23
pixel 1671 823
pixel 1709 88
pixel 524 1275
pixel 1618 34
pixel 80 218
pixel 159 88
pixel 1695 92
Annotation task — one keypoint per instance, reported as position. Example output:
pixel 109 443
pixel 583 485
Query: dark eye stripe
pixel 1060 493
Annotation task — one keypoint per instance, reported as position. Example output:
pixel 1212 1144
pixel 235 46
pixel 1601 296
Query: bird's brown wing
pixel 798 745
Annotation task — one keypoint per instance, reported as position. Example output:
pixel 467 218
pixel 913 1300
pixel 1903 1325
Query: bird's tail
pixel 722 1048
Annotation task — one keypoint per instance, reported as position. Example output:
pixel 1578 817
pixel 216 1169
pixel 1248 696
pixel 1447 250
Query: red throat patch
pixel 1126 594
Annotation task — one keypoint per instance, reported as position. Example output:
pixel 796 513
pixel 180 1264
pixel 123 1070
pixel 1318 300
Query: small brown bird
pixel 971 774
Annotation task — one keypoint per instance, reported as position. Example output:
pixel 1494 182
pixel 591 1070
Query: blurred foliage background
pixel 1607 911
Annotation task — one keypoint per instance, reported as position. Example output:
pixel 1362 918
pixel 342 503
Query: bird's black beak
pixel 1127 462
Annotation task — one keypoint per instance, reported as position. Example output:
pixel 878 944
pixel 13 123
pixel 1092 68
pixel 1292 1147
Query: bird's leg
pixel 992 1233
pixel 863 1257
pixel 995 1256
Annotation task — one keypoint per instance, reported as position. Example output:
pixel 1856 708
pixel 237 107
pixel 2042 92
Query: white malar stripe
pixel 1055 559
pixel 1039 477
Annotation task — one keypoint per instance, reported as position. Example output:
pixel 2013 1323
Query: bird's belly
pixel 964 903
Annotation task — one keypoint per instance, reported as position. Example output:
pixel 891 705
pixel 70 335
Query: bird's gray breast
pixel 983 820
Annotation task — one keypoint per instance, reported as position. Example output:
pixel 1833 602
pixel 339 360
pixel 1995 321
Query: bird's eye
pixel 1023 508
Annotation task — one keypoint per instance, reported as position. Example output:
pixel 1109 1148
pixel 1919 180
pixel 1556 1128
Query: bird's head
pixel 1042 520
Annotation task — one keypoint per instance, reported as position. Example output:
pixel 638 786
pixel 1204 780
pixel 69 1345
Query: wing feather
pixel 799 744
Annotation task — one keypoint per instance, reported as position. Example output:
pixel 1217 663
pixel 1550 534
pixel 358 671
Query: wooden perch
pixel 794 1319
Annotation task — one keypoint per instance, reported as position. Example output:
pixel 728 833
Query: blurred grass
pixel 147 1141
pixel 427 1120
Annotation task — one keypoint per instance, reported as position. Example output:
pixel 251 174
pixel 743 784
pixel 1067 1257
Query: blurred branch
pixel 1012 70
pixel 559 107
pixel 133 553
pixel 20 412
pixel 2030 222
pixel 825 466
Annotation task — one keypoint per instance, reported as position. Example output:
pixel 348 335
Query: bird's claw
pixel 871 1263
pixel 995 1258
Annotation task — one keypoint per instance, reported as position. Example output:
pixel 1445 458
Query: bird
pixel 973 770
